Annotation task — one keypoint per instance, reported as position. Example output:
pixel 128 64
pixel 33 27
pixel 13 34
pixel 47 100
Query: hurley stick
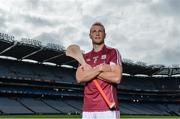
pixel 75 52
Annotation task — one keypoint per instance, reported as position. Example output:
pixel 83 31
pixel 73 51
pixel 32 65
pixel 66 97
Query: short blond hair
pixel 98 24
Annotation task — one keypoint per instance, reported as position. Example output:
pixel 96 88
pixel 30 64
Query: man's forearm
pixel 89 75
pixel 109 77
pixel 113 76
pixel 86 75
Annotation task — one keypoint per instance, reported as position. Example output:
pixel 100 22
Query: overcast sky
pixel 142 30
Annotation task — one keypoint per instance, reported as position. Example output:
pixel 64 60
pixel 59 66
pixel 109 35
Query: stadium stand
pixel 11 106
pixel 64 107
pixel 38 106
pixel 33 87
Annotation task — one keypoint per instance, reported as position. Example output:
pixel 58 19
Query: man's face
pixel 97 34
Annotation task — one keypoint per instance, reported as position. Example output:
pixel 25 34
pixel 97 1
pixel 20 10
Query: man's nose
pixel 97 33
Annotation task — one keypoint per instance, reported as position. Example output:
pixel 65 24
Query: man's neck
pixel 97 47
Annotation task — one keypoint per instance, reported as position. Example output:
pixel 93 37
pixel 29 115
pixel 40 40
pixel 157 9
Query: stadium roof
pixel 33 50
pixel 20 51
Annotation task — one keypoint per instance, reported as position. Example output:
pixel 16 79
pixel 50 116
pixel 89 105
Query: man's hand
pixel 103 67
pixel 85 67
pixel 86 73
pixel 110 73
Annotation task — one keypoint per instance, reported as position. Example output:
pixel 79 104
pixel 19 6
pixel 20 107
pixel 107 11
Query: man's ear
pixel 90 36
pixel 104 35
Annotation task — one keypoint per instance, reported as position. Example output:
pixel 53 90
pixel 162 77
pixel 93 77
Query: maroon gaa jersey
pixel 93 101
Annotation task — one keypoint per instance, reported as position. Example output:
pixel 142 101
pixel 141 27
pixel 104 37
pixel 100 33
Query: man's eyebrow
pixel 94 30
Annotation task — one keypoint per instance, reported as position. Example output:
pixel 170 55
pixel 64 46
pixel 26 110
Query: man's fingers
pixel 104 67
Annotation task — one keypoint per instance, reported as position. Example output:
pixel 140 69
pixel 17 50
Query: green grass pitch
pixel 79 117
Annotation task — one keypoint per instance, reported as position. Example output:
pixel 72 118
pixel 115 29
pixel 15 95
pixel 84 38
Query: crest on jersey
pixel 103 57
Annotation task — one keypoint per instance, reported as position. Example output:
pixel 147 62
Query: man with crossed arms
pixel 105 64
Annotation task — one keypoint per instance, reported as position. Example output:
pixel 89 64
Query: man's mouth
pixel 97 37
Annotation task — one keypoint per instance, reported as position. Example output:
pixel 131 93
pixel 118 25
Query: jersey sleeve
pixel 115 57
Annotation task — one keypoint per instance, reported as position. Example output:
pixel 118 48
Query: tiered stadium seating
pixel 35 71
pixel 137 83
pixel 11 106
pixel 63 107
pixel 38 106
pixel 59 82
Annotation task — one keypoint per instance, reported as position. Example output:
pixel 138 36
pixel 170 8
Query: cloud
pixel 17 31
pixel 46 37
pixel 39 21
pixel 2 24
pixel 2 20
pixel 142 30
pixel 166 8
